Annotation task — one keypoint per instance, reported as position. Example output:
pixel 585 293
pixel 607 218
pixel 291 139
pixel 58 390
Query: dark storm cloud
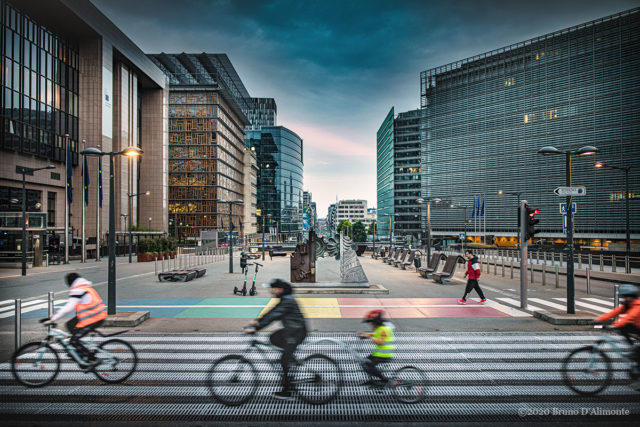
pixel 336 67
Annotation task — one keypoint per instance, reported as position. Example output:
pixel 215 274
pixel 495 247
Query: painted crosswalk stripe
pixel 516 303
pixel 24 304
pixel 31 308
pixel 585 305
pixel 549 303
pixel 600 301
pixel 504 308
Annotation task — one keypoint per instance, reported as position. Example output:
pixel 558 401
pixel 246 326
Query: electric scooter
pixel 253 290
pixel 243 291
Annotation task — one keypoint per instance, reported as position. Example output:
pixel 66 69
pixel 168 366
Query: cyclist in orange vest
pixel 89 309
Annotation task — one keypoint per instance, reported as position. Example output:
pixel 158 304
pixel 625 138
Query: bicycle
pixel 409 383
pixel 587 370
pixel 37 363
pixel 233 379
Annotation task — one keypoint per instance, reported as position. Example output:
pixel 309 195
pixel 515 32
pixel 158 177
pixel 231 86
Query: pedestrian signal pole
pixel 522 212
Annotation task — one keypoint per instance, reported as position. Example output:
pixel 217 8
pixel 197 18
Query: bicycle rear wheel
pixel 318 379
pixel 35 364
pixel 232 380
pixel 587 370
pixel 118 360
pixel 409 384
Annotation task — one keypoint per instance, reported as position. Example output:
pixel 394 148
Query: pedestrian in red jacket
pixel 473 272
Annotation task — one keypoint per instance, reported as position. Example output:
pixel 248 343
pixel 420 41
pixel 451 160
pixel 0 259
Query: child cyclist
pixel 383 338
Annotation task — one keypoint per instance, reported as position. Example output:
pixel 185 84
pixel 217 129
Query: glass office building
pixel 406 174
pixel 384 176
pixel 261 112
pixel 486 117
pixel 280 167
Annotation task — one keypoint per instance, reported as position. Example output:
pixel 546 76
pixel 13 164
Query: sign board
pixel 570 191
pixel 563 208
pixel 461 236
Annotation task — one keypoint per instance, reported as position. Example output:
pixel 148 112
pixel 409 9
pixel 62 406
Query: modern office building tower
pixel 352 211
pixel 261 112
pixel 385 174
pixel 250 220
pixel 280 165
pixel 406 174
pixel 332 219
pixel 68 70
pixel 206 141
pixel 486 117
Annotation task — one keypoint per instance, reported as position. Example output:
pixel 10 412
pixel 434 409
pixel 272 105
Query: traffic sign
pixel 570 191
pixel 461 236
pixel 563 208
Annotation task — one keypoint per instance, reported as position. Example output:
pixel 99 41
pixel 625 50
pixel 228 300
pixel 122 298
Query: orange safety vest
pixel 92 312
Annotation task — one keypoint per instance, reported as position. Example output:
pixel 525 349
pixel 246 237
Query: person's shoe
pixel 483 300
pixel 283 395
pixel 461 301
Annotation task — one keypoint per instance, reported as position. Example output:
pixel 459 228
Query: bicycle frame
pixel 354 354
pixel 62 338
pixel 613 343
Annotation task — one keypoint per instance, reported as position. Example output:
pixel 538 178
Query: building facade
pixel 206 142
pixel 250 220
pixel 486 117
pixel 353 211
pixel 280 186
pixel 332 216
pixel 71 71
pixel 261 112
pixel 406 174
pixel 385 174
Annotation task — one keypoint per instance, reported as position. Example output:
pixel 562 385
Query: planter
pixel 172 255
pixel 146 257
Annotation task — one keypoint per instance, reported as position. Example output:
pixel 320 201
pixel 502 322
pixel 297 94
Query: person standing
pixel 473 274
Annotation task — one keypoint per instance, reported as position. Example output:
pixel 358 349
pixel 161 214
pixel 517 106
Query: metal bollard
pixel 613 263
pixel 588 281
pixel 579 261
pixel 50 304
pixel 155 265
pixel 512 268
pixel 18 323
pixel 495 268
pixel 544 274
pixel 503 267
pixel 601 262
pixel 616 295
pixel 627 265
pixel 557 276
pixel 532 274
pixel 537 257
pixel 590 262
pixel 544 257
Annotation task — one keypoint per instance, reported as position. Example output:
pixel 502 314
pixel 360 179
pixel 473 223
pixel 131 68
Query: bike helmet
pixel 374 316
pixel 70 278
pixel 628 289
pixel 279 283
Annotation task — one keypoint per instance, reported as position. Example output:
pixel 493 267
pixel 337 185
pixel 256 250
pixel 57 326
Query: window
pixel 51 209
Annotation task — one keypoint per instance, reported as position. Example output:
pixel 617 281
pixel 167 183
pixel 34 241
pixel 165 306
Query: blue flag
pixel 86 181
pixel 482 208
pixel 69 174
pixel 100 179
pixel 473 209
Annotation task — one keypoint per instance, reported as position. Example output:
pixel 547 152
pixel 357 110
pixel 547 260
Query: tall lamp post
pixel 26 171
pixel 452 206
pixel 230 203
pixel 129 151
pixel 584 151
pixel 599 165
pixel 130 196
pixel 517 194
pixel 428 202
pixel 263 240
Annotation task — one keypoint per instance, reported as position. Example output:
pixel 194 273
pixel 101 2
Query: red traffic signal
pixel 531 222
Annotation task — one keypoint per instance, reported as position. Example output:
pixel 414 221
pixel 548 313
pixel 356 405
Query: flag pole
pixel 98 205
pixel 66 200
pixel 84 248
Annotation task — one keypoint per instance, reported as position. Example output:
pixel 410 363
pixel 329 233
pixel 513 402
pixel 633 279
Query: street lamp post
pixel 111 280
pixel 24 171
pixel 626 199
pixel 230 203
pixel 130 196
pixel 465 223
pixel 263 239
pixel 584 151
pixel 517 194
pixel 428 202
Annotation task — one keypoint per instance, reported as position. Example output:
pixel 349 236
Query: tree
pixel 372 228
pixel 345 226
pixel 359 232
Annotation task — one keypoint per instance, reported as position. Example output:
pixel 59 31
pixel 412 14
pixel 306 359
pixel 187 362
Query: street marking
pixel 305 306
pixel 517 304
pixel 584 304
pixel 26 304
pixel 600 301
pixel 504 308
pixel 31 308
pixel 549 303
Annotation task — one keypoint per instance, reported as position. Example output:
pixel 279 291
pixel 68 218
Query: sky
pixel 335 68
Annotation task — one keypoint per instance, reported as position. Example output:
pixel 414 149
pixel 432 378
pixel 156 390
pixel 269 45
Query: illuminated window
pixel 528 118
pixel 510 81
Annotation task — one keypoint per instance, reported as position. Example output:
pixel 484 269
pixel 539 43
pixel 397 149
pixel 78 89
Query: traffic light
pixel 531 222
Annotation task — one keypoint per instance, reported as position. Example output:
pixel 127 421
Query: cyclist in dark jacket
pixel 288 338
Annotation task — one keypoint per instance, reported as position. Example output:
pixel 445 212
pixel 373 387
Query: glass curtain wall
pixel 385 174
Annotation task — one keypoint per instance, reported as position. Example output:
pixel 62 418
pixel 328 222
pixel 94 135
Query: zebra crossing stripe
pixel 600 301
pixel 516 303
pixel 549 303
pixel 24 304
pixel 504 308
pixel 30 308
pixel 585 305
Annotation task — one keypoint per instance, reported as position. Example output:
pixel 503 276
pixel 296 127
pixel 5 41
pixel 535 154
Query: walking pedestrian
pixel 473 272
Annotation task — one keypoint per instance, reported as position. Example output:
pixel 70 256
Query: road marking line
pixel 505 308
pixel 26 310
pixel 600 301
pixel 549 303
pixel 584 304
pixel 516 303
pixel 24 304
pixel 306 306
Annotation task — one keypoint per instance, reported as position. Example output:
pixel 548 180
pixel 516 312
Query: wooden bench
pixel 448 270
pixel 409 260
pixel 402 257
pixel 432 266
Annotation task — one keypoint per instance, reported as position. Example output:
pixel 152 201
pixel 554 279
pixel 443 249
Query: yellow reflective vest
pixel 386 349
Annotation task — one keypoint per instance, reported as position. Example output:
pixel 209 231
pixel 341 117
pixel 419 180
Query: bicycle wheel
pixel 118 361
pixel 587 370
pixel 318 379
pixel 232 380
pixel 35 364
pixel 410 384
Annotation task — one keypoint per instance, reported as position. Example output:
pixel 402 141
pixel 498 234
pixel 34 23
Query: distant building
pixel 308 211
pixel 385 173
pixel 261 112
pixel 353 211
pixel 332 218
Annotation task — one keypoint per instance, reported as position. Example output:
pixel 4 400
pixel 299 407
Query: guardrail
pixel 191 258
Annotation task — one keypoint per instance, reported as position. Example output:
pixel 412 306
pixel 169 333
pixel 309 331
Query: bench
pixel 380 250
pixel 402 257
pixel 398 254
pixel 181 275
pixel 277 251
pixel 432 266
pixel 391 254
pixel 409 260
pixel 448 270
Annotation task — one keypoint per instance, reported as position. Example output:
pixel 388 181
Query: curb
pixel 125 319
pixel 561 318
